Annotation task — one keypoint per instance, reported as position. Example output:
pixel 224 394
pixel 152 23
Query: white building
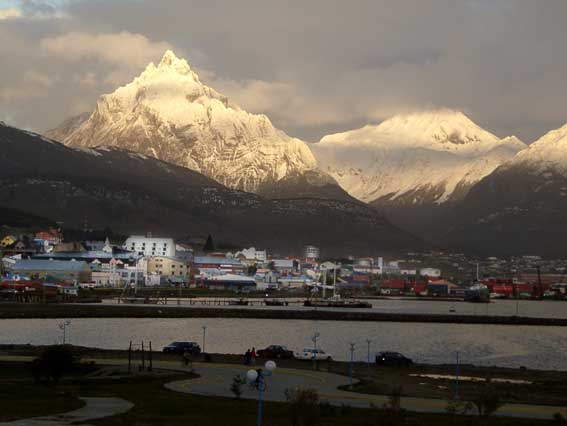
pixel 311 252
pixel 252 254
pixel 150 246
pixel 430 272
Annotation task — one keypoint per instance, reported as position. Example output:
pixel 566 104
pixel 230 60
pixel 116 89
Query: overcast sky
pixel 313 66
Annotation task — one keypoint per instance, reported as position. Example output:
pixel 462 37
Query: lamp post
pixel 63 326
pixel 204 336
pixel 457 376
pixel 258 379
pixel 350 364
pixel 368 341
pixel 314 340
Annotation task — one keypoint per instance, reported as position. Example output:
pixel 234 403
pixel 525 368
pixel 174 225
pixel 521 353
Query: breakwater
pixel 23 311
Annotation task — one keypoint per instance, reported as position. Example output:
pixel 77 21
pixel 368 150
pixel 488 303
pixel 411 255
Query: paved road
pixel 215 380
pixel 95 408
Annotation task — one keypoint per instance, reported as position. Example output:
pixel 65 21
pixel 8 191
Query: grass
pixel 546 387
pixel 21 397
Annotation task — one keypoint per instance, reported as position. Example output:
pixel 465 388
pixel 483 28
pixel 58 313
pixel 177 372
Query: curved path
pixel 215 380
pixel 94 408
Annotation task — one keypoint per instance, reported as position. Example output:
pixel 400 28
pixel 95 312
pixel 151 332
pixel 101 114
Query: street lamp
pixel 257 379
pixel 352 346
pixel 204 335
pixel 314 340
pixel 63 326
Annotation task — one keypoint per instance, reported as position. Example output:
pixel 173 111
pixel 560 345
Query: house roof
pixel 204 260
pixel 92 254
pixel 49 265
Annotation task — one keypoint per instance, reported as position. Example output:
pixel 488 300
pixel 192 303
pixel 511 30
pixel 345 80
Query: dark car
pixel 275 351
pixel 395 359
pixel 180 348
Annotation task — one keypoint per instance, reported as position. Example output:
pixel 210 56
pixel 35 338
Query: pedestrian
pixel 186 357
pixel 247 357
pixel 253 356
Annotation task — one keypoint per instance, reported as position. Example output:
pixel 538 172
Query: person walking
pixel 253 356
pixel 186 357
pixel 247 357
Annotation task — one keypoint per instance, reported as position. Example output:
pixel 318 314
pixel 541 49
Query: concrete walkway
pixel 95 408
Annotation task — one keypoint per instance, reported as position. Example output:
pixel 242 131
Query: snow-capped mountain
pixel 168 113
pixel 520 207
pixel 132 193
pixel 547 154
pixel 429 157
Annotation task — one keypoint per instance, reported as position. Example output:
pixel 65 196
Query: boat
pixel 238 302
pixel 477 293
pixel 336 302
pixel 275 302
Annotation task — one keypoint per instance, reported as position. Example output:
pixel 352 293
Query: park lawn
pixel 154 405
pixel 541 387
pixel 21 397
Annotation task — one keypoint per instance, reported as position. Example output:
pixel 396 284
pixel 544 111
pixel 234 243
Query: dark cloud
pixel 314 67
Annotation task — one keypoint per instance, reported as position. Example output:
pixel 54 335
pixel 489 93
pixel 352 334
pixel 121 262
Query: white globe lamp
pixel 270 365
pixel 251 375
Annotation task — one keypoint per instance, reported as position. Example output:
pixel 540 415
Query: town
pixel 48 266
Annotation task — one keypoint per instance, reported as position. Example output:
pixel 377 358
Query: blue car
pixel 182 347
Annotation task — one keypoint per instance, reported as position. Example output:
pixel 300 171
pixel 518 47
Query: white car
pixel 311 353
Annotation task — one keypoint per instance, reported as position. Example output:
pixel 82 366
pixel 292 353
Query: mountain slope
pixel 520 208
pixel 308 184
pixel 168 113
pixel 133 193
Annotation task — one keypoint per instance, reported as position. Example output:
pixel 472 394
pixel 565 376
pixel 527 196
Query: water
pixel 506 346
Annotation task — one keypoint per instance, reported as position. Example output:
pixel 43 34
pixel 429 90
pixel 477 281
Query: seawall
pixel 23 311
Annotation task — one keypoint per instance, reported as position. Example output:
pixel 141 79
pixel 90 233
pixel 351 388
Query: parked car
pixel 311 353
pixel 181 347
pixel 275 351
pixel 392 359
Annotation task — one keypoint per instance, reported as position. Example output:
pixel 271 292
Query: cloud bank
pixel 313 67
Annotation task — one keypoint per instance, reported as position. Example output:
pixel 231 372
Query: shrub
pixel 391 413
pixel 236 386
pixel 304 406
pixel 54 362
pixel 456 406
pixel 487 401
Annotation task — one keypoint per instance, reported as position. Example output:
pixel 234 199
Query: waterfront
pixel 488 345
pixel 496 307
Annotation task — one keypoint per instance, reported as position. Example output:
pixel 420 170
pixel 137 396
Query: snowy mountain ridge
pixel 427 157
pixel 547 153
pixel 168 113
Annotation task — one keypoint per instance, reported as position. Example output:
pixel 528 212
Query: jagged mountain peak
pixel 168 113
pixel 170 65
pixel 170 60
